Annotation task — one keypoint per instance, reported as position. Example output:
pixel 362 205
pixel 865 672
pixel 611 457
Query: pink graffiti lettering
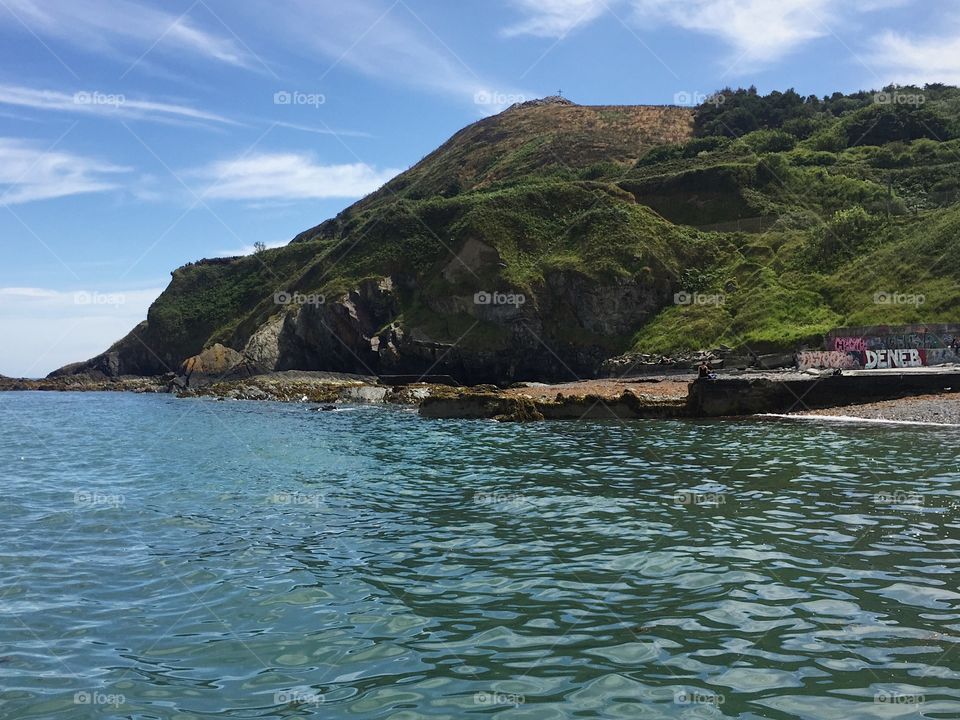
pixel 827 359
pixel 843 344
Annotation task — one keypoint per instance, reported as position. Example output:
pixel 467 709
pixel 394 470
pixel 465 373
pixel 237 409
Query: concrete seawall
pixel 730 396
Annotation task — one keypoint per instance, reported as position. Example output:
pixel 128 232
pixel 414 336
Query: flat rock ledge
pixel 313 390
pixel 85 383
pixel 474 404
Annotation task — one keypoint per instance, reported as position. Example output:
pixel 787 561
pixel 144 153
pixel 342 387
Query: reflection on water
pixel 165 558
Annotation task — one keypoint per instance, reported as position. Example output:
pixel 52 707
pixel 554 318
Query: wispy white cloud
pixel 96 102
pixel 554 18
pixel 912 60
pixel 757 32
pixel 383 40
pixel 288 176
pixel 29 173
pixel 324 130
pixel 46 329
pixel 116 26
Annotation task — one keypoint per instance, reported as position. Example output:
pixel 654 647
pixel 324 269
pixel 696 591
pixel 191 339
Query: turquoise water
pixel 164 558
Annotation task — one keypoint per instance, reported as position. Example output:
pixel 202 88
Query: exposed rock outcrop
pixel 262 350
pixel 351 333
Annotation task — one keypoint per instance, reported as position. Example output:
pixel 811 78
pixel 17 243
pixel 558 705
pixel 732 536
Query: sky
pixel 138 136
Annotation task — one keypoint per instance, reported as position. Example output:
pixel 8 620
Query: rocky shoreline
pixel 915 397
pixel 647 397
pixel 85 383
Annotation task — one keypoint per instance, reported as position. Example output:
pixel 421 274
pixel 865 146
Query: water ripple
pixel 165 558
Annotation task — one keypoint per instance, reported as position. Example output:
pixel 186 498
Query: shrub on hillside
pixel 844 233
pixel 812 158
pixel 803 127
pixel 768 141
pixel 882 124
pixel 707 144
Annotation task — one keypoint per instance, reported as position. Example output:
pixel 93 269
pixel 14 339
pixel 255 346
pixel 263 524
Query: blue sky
pixel 137 136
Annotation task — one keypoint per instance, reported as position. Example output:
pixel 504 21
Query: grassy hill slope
pixel 780 216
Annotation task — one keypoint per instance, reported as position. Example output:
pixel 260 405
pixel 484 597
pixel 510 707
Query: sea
pixel 194 558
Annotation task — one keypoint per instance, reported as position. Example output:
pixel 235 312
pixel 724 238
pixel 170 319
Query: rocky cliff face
pixel 362 332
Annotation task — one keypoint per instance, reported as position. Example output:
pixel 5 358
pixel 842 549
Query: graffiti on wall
pixel 843 344
pixel 881 359
pixel 834 359
pixel 940 356
pixel 908 341
pixel 884 347
pixel 861 360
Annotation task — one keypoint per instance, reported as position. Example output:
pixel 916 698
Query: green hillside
pixel 781 216
pixel 845 200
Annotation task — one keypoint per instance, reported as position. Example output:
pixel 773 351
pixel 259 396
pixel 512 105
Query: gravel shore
pixel 944 408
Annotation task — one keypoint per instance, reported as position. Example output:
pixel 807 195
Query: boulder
pixel 215 361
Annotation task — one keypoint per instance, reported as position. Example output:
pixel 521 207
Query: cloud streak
pixel 390 42
pixel 758 32
pixel 95 102
pixel 907 60
pixel 28 173
pixel 288 176
pixel 554 18
pixel 112 25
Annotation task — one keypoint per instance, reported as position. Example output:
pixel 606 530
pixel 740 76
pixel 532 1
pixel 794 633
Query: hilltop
pixel 542 241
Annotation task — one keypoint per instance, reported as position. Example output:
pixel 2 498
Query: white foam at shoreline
pixel 854 419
